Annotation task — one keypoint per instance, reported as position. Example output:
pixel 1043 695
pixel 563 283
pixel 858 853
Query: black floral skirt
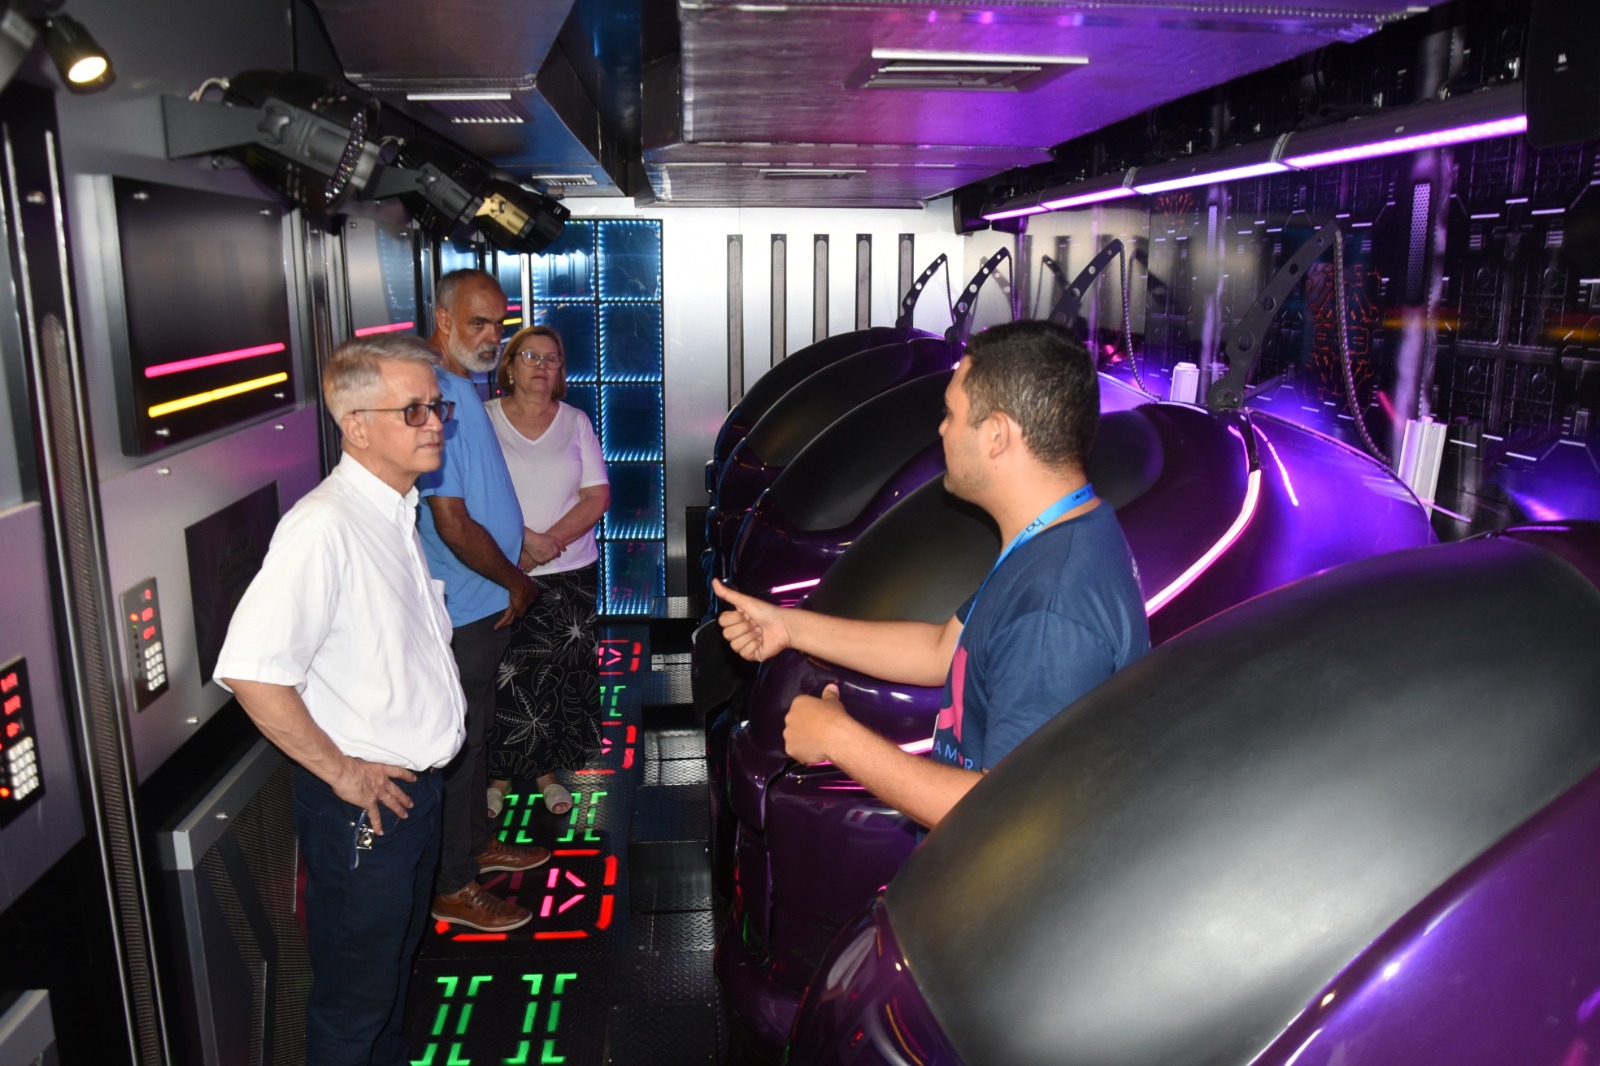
pixel 547 691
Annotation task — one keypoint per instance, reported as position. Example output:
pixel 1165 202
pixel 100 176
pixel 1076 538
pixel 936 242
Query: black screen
pixel 207 309
pixel 225 553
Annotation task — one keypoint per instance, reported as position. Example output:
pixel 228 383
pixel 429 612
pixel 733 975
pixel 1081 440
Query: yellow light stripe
pixel 512 322
pixel 216 394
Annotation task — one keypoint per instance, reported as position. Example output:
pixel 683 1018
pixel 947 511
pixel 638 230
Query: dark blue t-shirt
pixel 1062 614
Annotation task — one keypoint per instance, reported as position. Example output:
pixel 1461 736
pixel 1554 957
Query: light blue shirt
pixel 473 470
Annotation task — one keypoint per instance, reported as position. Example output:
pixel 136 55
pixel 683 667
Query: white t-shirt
pixel 547 474
pixel 345 611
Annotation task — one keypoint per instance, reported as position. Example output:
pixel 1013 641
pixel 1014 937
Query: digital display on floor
pixel 207 309
pixel 21 784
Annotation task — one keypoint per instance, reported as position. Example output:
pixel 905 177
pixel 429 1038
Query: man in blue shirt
pixel 1060 612
pixel 471 527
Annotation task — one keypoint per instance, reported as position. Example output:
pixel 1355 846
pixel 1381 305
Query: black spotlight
pixel 449 191
pixel 307 137
pixel 84 65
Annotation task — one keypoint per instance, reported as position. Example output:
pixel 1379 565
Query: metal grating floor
pixel 615 968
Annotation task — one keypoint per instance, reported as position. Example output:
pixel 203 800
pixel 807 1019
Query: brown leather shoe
pixel 477 909
pixel 510 857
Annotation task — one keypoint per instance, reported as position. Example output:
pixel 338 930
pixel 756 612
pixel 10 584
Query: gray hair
pixel 353 377
pixel 444 294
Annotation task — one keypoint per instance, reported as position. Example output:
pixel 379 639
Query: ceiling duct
pixel 548 86
pixel 922 98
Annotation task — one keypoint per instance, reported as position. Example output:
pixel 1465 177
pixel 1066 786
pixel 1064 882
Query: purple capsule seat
pixel 1216 509
pixel 804 411
pixel 1351 821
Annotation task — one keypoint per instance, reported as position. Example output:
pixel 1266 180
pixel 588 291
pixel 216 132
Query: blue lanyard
pixel 1048 515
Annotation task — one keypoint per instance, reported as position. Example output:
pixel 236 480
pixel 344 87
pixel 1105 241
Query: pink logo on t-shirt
pixel 950 717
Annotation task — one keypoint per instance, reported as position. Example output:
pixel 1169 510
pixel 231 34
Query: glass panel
pixel 565 270
pixel 457 255
pixel 630 417
pixel 630 342
pixel 583 398
pixel 630 261
pixel 638 510
pixel 635 575
pixel 508 271
pixel 575 323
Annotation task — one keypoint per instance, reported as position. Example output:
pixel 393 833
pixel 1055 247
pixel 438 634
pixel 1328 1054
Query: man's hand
pixel 812 726
pixel 369 784
pixel 754 629
pixel 522 596
pixel 541 547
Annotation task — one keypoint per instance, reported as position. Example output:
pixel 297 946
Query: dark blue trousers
pixel 366 911
pixel 478 648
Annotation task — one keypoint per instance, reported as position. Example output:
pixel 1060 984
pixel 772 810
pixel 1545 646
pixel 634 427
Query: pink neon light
pixel 995 216
pixel 544 911
pixel 575 879
pixel 569 903
pixel 393 327
pixel 1251 495
pixel 1282 470
pixel 1089 198
pixel 796 585
pixel 163 369
pixel 918 747
pixel 1254 170
pixel 1416 142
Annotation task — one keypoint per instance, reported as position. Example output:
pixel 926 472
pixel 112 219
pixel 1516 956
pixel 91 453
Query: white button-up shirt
pixel 345 611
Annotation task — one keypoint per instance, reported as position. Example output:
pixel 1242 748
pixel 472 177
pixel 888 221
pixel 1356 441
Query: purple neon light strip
pixel 393 327
pixel 1252 495
pixel 1416 142
pixel 1282 470
pixel 796 585
pixel 995 216
pixel 1088 198
pixel 163 369
pixel 1254 170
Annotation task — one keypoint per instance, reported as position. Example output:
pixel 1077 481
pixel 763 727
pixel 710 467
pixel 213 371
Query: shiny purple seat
pixel 1350 821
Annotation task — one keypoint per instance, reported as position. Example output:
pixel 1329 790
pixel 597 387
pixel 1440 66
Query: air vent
pixel 564 181
pixel 890 68
pixel 809 172
pixel 474 109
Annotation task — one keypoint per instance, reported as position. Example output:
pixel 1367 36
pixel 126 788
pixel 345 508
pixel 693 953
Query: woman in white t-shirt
pixel 547 694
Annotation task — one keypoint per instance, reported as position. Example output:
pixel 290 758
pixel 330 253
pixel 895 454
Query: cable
pixel 1126 262
pixel 1343 318
pixel 209 83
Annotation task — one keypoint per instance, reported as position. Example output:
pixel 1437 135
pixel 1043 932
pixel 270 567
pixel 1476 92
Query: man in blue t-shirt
pixel 1060 612
pixel 471 529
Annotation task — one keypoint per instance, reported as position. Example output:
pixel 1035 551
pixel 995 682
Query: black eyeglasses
pixel 416 414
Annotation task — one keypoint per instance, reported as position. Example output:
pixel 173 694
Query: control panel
pixel 21 783
pixel 147 658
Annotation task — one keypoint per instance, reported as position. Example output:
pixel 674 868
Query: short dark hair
pixel 1044 378
pixel 514 345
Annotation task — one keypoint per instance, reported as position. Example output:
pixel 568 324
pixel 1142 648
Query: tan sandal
pixel 557 799
pixel 497 803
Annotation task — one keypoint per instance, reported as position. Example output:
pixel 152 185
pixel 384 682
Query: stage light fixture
pixel 307 137
pixel 84 65
pixel 449 191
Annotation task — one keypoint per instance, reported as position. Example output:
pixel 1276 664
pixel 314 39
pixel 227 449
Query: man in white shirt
pixel 340 653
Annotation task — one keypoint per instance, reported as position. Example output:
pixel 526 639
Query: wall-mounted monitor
pixel 381 273
pixel 206 302
pixel 225 552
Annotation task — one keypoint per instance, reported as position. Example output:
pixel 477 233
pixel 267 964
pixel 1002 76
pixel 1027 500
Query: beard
pixel 477 360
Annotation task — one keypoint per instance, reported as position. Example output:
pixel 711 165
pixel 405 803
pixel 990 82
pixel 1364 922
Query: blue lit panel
pixel 457 255
pixel 565 270
pixel 508 272
pixel 575 323
pixel 630 261
pixel 630 342
pixel 635 575
pixel 583 398
pixel 631 423
pixel 638 504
